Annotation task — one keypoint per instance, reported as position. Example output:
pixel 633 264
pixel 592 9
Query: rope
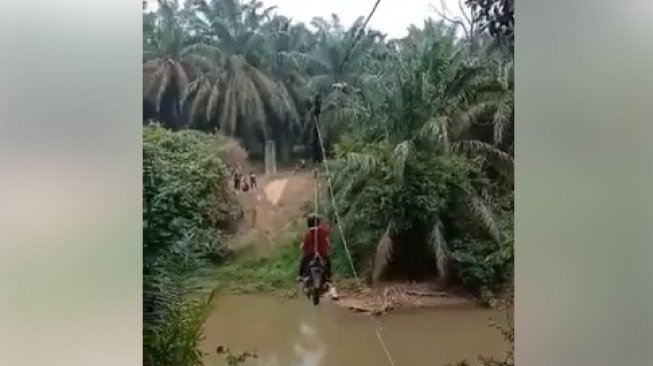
pixel 317 201
pixel 377 330
pixel 358 36
pixel 342 63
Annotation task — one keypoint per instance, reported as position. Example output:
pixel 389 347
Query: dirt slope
pixel 278 202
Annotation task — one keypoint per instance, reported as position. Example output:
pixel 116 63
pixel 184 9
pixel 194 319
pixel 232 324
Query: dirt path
pixel 285 198
pixel 278 202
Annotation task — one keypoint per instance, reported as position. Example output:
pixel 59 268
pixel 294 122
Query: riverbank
pixel 265 255
pixel 247 273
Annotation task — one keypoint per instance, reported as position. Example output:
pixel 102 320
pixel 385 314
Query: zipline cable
pixel 344 240
pixel 359 34
pixel 316 115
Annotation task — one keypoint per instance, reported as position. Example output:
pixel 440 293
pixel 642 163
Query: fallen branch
pixel 426 294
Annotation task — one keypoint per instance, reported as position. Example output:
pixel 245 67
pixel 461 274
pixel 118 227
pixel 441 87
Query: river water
pixel 293 332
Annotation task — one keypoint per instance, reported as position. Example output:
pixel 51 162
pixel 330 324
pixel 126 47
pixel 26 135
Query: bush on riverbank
pixel 185 200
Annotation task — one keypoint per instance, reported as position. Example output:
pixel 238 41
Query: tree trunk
pixel 316 149
pixel 285 149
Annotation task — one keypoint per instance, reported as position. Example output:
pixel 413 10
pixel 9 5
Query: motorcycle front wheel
pixel 315 295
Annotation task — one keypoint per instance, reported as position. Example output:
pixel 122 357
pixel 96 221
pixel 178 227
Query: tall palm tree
pixel 339 69
pixel 287 56
pixel 170 60
pixel 430 97
pixel 236 94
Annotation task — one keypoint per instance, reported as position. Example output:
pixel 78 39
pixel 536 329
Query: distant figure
pixel 300 166
pixel 248 201
pixel 252 180
pixel 237 180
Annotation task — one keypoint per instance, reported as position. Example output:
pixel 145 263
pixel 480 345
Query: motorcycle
pixel 315 284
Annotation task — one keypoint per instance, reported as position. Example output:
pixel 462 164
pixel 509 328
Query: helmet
pixel 313 220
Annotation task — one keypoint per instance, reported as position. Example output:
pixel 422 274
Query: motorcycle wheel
pixel 315 296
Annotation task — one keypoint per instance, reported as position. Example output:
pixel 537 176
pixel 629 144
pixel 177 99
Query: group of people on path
pixel 244 183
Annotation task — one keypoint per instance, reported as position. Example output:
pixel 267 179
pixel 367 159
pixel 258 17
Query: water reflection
pixel 309 349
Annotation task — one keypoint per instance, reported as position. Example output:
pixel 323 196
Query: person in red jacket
pixel 316 240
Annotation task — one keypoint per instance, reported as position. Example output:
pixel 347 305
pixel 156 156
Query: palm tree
pixel 170 60
pixel 236 94
pixel 339 70
pixel 418 130
pixel 287 56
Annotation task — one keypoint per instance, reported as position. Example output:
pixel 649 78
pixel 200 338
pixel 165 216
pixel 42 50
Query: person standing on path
pixel 248 201
pixel 237 179
pixel 252 180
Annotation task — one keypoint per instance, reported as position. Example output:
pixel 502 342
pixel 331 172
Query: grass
pixel 275 273
pixel 245 272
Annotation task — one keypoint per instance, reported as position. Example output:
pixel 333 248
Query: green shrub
pixel 185 194
pixel 185 199
pixel 176 340
pixel 485 266
pixel 273 273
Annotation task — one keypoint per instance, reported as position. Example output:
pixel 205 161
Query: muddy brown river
pixel 293 332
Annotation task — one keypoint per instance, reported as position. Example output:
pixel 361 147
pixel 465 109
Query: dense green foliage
pixel 419 130
pixel 419 135
pixel 184 194
pixel 429 165
pixel 184 200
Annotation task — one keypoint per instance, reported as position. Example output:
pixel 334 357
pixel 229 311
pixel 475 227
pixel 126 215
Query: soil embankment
pixel 282 200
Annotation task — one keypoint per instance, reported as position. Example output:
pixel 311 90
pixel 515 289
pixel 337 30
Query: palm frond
pixel 362 162
pixel 212 103
pixel 269 92
pixel 152 72
pixel 221 29
pixel 502 160
pixel 440 250
pixel 180 76
pixel 199 99
pixel 482 216
pixel 401 154
pixel 383 254
pixel 223 119
pixel 502 120
pixel 190 90
pixel 166 77
pixel 436 129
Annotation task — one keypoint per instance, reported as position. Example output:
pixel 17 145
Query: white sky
pixel 392 16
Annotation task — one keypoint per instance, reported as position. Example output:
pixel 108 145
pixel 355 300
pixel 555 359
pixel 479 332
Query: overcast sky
pixel 392 16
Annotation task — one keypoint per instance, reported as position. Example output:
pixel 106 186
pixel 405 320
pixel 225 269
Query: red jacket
pixel 308 246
